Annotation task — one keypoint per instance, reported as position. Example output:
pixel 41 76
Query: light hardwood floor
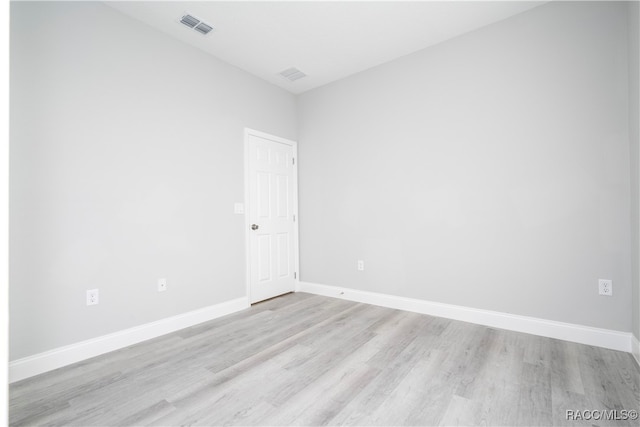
pixel 308 360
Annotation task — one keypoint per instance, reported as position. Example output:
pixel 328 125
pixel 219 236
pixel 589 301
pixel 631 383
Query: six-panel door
pixel 271 210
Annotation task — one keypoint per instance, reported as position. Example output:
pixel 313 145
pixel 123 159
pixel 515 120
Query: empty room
pixel 352 213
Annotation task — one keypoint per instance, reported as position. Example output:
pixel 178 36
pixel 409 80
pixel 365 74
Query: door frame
pixel 247 207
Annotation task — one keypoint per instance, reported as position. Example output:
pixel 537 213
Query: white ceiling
pixel 325 40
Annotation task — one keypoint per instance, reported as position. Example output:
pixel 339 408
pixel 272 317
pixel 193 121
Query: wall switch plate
pixel 360 265
pixel 238 208
pixel 162 285
pixel 605 287
pixel 93 297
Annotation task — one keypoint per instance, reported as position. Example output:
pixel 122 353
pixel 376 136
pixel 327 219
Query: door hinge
pixel 295 275
pixel 293 160
pixel 294 218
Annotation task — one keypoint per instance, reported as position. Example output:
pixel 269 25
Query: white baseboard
pixel 635 349
pixel 606 338
pixel 62 356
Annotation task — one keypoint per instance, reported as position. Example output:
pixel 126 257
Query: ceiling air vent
pixel 196 24
pixel 203 28
pixel 292 74
pixel 189 21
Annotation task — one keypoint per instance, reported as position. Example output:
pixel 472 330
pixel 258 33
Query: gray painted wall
pixel 127 157
pixel 490 171
pixel 634 137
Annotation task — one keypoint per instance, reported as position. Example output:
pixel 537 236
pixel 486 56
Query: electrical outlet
pixel 360 265
pixel 605 287
pixel 162 285
pixel 93 297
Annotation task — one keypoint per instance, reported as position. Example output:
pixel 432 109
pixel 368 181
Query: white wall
pixel 490 171
pixel 4 225
pixel 634 139
pixel 127 158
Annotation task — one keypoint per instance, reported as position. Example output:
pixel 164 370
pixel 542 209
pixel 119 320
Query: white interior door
pixel 272 206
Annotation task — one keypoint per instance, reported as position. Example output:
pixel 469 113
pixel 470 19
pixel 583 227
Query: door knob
pixel 254 226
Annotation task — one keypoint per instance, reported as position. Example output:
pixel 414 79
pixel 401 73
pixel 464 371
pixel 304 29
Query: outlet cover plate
pixel 605 287
pixel 162 285
pixel 93 297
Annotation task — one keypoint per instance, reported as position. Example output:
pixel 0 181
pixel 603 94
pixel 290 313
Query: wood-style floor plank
pixel 307 360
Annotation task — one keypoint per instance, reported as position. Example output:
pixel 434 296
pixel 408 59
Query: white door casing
pixel 271 215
